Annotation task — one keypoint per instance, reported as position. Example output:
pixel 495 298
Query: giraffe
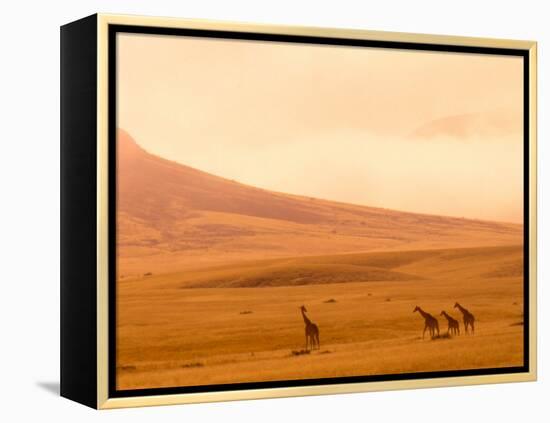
pixel 431 322
pixel 468 318
pixel 453 328
pixel 312 331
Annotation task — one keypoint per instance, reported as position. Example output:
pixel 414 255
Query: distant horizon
pixel 308 196
pixel 424 132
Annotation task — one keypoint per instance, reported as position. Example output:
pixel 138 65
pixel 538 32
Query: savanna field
pixel 244 329
pixel 211 275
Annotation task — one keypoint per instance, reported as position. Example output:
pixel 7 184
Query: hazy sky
pixel 436 133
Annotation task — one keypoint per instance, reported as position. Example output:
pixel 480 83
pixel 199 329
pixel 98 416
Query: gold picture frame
pixel 86 59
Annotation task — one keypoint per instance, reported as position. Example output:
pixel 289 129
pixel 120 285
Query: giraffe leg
pixel 424 332
pixel 472 326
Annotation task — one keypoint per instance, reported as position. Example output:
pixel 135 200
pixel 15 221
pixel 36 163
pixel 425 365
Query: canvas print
pixel 294 211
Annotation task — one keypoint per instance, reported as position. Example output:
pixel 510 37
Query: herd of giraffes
pixel 430 323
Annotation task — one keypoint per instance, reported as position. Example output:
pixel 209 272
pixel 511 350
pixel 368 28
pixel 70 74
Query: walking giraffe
pixel 430 322
pixel 453 328
pixel 468 318
pixel 312 331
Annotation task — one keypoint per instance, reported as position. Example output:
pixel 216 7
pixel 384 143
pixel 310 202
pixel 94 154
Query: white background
pixel 29 174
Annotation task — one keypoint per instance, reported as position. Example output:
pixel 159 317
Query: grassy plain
pixel 240 321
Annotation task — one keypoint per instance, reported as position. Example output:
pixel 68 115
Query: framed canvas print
pixel 253 211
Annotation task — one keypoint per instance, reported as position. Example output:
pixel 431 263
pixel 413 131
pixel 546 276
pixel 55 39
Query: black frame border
pixel 114 29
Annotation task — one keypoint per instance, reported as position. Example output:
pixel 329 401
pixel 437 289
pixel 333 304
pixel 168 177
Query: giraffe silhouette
pixel 453 328
pixel 430 322
pixel 468 318
pixel 312 331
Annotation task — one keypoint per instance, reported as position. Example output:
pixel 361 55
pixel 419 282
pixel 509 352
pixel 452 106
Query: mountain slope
pixel 176 216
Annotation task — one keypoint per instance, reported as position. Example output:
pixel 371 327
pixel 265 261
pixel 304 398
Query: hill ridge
pixel 165 207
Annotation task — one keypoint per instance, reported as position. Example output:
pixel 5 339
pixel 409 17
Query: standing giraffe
pixel 431 322
pixel 453 328
pixel 312 331
pixel 468 318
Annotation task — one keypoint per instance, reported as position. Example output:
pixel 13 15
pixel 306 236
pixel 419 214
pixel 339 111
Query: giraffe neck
pixel 462 309
pixel 446 315
pixel 423 313
pixel 306 320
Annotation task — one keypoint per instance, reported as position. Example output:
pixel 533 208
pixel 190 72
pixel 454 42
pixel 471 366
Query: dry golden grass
pixel 170 334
